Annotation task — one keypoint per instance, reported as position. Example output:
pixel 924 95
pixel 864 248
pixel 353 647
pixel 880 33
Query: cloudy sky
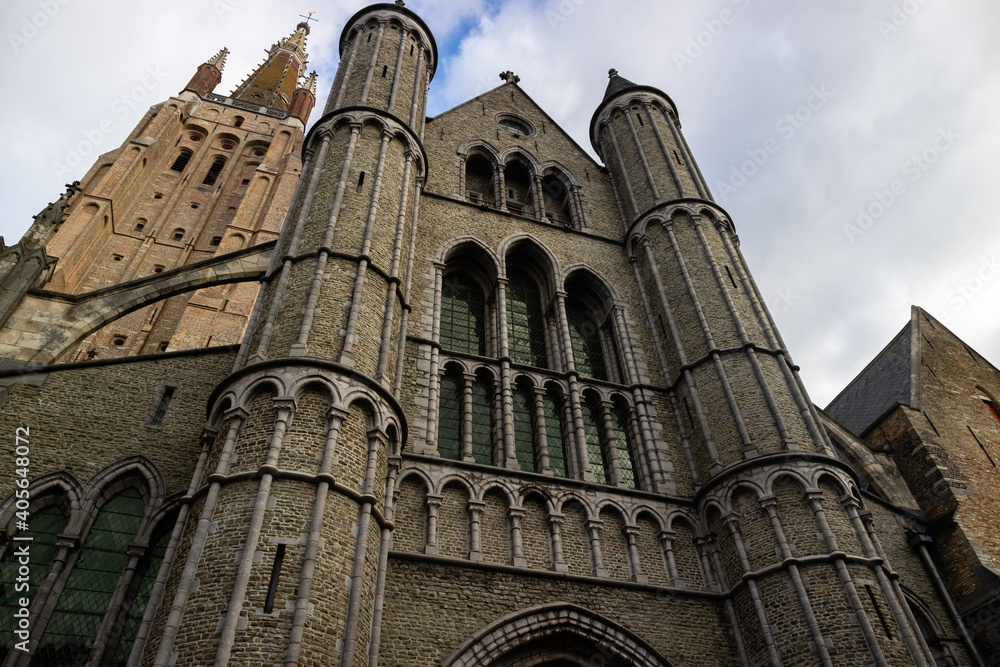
pixel 854 142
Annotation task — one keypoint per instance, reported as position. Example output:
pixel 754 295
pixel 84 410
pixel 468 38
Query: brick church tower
pixel 413 391
pixel 201 176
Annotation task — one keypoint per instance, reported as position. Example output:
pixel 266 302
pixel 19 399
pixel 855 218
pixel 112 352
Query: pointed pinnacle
pixel 219 59
pixel 310 83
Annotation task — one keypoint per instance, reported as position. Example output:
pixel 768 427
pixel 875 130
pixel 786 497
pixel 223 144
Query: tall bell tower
pixel 288 538
pixel 795 593
pixel 201 175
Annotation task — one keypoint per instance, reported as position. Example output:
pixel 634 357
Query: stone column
pixel 433 504
pixel 631 533
pixel 596 558
pixel 516 548
pixel 555 526
pixel 475 539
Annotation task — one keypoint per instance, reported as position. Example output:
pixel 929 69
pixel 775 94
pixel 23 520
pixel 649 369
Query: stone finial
pixel 509 77
pixel 400 3
pixel 56 210
pixel 310 83
pixel 218 61
pixel 612 73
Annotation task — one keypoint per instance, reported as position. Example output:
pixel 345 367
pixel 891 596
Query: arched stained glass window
pixel 524 433
pixel 44 527
pixel 595 442
pixel 482 421
pixel 463 315
pixel 133 618
pixel 69 635
pixel 555 434
pixel 525 322
pixel 450 417
pixel 587 351
pixel 624 446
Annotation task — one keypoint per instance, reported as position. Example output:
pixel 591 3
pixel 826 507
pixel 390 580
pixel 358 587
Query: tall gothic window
pixel 525 322
pixel 524 432
pixel 482 421
pixel 450 417
pixel 142 588
pixel 555 434
pixel 44 527
pixel 70 633
pixel 592 429
pixel 587 351
pixel 463 315
pixel 624 447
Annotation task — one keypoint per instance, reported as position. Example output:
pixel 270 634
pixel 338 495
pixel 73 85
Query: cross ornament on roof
pixel 310 17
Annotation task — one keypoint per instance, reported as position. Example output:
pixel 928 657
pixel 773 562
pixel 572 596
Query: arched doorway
pixel 554 635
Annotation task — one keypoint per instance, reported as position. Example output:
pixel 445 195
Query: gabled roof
pixel 534 104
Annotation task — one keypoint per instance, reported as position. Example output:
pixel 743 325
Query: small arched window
pixel 621 423
pixel 449 443
pixel 525 321
pixel 482 420
pixel 71 630
pixel 557 201
pixel 214 171
pixel 524 432
pixel 238 121
pixel 181 161
pixel 593 430
pixel 555 433
pixel 178 235
pixel 520 195
pixel 479 181
pixel 463 315
pixel 588 353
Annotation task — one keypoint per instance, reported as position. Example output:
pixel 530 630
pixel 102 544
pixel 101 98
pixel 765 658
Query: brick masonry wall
pixel 84 419
pixel 688 631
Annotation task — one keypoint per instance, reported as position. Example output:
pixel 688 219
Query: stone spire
pixel 274 82
pixel 209 74
pixel 219 59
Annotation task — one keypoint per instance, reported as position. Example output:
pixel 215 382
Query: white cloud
pixel 893 90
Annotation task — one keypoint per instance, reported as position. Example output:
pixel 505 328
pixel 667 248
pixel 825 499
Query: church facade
pixel 412 391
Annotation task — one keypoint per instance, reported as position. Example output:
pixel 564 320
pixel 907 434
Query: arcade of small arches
pixel 535 369
pixel 515 181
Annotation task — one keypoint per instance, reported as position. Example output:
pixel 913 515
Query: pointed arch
pixel 557 631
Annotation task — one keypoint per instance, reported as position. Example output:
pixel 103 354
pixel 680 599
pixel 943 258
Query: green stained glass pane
pixel 463 315
pixel 525 323
pixel 555 436
pixel 80 609
pixel 450 418
pixel 43 527
pixel 524 436
pixel 482 423
pixel 595 447
pixel 140 600
pixel 587 351
pixel 624 446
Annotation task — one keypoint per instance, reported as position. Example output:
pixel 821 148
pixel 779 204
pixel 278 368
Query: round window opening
pixel 516 126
